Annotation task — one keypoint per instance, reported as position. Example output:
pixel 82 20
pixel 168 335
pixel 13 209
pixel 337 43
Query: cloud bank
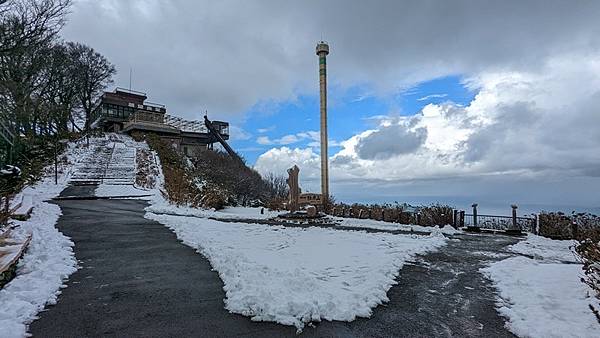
pixel 539 126
pixel 227 56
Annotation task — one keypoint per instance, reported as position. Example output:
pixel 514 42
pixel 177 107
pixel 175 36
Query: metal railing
pixel 185 125
pixel 500 222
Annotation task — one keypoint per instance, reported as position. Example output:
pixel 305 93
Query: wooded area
pixel 48 86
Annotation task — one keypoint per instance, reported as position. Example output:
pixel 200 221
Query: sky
pixel 495 102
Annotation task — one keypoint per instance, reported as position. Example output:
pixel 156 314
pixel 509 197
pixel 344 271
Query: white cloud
pixel 264 140
pixel 264 130
pixel 237 133
pixel 432 96
pixel 278 160
pixel 289 139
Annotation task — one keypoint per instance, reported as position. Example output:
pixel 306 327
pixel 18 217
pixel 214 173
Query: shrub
pixel 213 198
pixel 435 214
pixel 557 225
pixel 588 249
pixel 180 187
pixel 213 179
pixel 147 171
pixel 432 215
pixel 554 225
pixel 276 203
pixel 244 186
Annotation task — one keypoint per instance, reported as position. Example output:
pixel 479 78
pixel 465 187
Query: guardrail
pixel 185 125
pixel 493 222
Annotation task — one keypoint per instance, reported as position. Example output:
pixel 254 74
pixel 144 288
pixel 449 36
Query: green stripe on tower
pixel 322 60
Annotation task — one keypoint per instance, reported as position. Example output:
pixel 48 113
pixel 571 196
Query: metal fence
pixel 492 222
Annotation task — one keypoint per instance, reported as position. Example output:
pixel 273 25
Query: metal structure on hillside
pixel 216 133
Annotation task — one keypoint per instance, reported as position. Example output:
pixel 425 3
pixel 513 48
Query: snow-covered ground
pixel 292 275
pixel 543 297
pixel 49 259
pixel 160 206
pixel 297 275
pixel 542 248
pixel 112 190
pixel 381 225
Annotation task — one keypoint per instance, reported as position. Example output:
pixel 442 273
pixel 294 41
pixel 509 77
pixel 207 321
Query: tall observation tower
pixel 322 51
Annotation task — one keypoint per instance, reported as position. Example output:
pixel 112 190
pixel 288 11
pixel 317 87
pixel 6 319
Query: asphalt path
pixel 137 280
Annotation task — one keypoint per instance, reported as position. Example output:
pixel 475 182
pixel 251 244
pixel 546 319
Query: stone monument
pixel 294 194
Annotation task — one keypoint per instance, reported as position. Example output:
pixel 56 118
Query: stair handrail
pixel 108 163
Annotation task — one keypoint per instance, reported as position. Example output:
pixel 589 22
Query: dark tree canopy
pixel 45 84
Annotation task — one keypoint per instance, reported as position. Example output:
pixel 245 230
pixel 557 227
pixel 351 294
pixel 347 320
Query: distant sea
pixel 487 207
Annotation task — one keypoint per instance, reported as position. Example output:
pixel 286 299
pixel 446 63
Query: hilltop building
pixel 128 111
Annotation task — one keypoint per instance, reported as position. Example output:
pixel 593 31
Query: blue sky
pixel 351 111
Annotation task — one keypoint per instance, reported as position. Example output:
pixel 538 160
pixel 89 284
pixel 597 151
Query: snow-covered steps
pixel 110 160
pixel 110 164
pixel 91 167
pixel 121 167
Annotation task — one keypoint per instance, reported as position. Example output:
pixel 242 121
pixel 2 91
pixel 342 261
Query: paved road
pixel 137 280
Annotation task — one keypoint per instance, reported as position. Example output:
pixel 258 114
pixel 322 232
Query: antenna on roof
pixel 130 72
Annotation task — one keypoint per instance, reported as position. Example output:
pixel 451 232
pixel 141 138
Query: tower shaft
pixel 322 52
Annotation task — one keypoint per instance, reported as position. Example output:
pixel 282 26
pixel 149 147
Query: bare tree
pixel 60 91
pixel 276 185
pixel 27 23
pixel 94 74
pixel 28 29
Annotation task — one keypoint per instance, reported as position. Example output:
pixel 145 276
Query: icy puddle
pixel 294 276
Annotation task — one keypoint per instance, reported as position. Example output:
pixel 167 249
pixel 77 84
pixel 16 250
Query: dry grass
pixel 588 249
pixel 212 180
pixel 179 188
pixel 147 170
pixel 558 225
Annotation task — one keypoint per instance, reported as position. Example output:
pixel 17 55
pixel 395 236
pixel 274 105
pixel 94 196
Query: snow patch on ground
pixel 48 261
pixel 297 275
pixel 543 299
pixel 110 190
pixel 161 206
pixel 382 225
pixel 542 248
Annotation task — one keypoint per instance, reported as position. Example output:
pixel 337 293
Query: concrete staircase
pixel 121 167
pixel 110 160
